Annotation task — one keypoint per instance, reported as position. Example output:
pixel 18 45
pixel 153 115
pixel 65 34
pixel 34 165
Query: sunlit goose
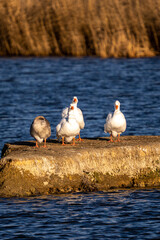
pixel 78 113
pixel 68 128
pixel 79 116
pixel 40 129
pixel 116 123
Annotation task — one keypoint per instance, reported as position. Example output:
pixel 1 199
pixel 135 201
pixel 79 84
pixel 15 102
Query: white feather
pixel 116 123
pixel 68 127
pixel 77 111
pixel 65 112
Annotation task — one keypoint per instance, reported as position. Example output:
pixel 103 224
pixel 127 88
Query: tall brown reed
pixel 117 28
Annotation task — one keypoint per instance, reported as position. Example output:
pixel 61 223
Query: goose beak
pixel 116 107
pixel 75 100
pixel 72 108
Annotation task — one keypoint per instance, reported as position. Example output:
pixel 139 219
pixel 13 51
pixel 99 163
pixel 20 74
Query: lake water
pixel 113 215
pixel 44 86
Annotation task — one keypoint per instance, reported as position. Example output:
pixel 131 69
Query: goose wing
pixel 108 124
pixel 65 112
pixel 80 118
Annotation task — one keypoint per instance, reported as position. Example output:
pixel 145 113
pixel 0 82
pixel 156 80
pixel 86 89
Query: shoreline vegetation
pixel 103 28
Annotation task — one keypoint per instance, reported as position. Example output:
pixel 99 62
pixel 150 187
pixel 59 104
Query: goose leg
pixel 44 143
pixel 111 140
pixel 63 144
pixel 118 139
pixel 73 144
pixel 36 144
pixel 79 139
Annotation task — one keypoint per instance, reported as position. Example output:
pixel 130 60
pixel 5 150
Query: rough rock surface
pixel 91 165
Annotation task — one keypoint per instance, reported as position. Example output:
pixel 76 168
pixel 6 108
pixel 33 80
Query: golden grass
pixel 105 28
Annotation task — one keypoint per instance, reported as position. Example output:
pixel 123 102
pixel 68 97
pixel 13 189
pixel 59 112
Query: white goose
pixel 78 113
pixel 116 123
pixel 68 128
pixel 79 116
pixel 40 129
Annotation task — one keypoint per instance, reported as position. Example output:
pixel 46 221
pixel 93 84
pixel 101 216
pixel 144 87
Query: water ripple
pixel 44 86
pixel 120 214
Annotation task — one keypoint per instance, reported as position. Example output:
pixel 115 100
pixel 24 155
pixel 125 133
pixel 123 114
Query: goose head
pixel 75 99
pixel 39 120
pixel 71 107
pixel 117 105
pixel 71 113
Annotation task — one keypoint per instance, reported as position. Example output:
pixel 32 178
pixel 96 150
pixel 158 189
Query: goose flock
pixel 72 122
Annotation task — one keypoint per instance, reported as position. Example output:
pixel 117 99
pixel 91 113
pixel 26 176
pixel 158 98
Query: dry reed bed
pixel 105 28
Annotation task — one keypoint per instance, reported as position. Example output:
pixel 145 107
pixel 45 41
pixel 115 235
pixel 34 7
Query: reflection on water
pixel 112 215
pixel 44 86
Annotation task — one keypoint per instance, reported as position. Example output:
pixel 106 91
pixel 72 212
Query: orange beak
pixel 116 107
pixel 72 107
pixel 75 100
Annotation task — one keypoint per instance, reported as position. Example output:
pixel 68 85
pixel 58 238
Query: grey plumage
pixel 40 129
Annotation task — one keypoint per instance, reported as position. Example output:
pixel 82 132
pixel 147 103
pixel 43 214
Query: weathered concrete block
pixel 92 165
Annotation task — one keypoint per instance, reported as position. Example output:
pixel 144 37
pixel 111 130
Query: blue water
pixel 115 215
pixel 38 86
pixel 44 86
